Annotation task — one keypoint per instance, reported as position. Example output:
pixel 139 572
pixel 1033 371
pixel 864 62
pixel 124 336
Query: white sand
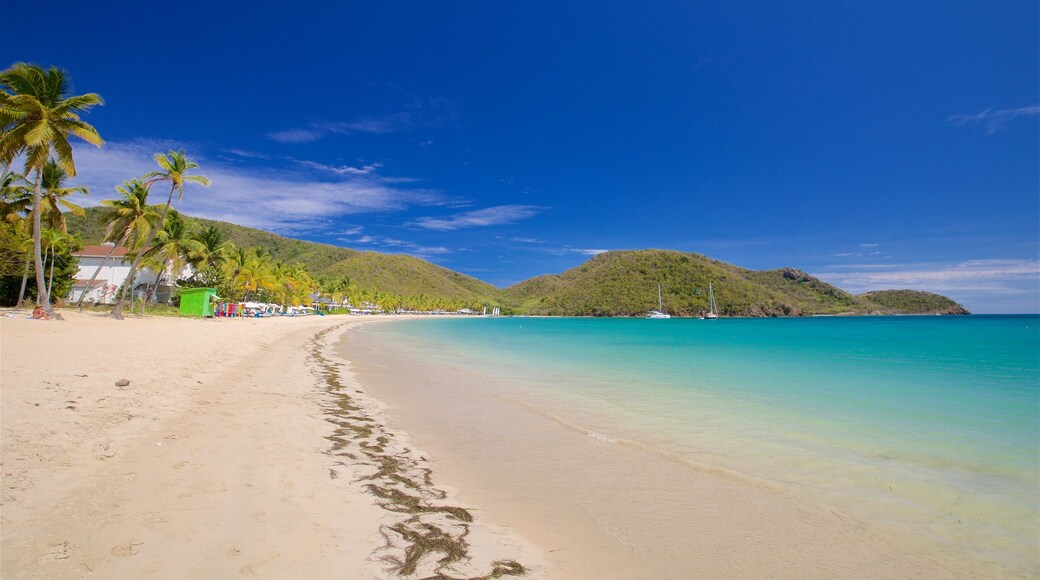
pixel 212 463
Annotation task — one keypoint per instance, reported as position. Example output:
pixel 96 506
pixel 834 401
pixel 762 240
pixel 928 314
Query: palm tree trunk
pixel 25 279
pixel 41 287
pixel 151 295
pixel 50 280
pixel 79 304
pixel 117 312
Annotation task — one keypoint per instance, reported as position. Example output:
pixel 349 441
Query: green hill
pixel 914 302
pixel 624 283
pixel 410 276
pixel 617 283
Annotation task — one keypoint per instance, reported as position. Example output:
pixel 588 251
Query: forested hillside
pixel 617 283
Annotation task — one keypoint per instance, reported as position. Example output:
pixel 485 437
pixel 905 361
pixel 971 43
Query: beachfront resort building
pixel 105 287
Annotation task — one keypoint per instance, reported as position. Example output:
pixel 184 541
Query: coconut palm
pixel 213 249
pixel 38 115
pixel 55 241
pixel 15 207
pixel 129 220
pixel 173 247
pixel 54 194
pixel 174 168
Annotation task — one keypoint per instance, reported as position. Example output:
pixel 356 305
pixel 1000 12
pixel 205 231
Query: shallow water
pixel 926 423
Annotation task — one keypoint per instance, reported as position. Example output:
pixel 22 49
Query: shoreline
pixel 305 446
pixel 558 484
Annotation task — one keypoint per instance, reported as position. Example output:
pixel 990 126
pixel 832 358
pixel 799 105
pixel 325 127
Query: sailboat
pixel 659 313
pixel 713 309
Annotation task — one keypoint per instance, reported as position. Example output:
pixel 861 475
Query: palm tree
pixel 175 167
pixel 55 240
pixel 213 249
pixel 37 116
pixel 54 194
pixel 15 207
pixel 129 219
pixel 173 247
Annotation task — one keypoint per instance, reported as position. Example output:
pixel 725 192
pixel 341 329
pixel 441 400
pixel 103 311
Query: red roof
pixel 99 252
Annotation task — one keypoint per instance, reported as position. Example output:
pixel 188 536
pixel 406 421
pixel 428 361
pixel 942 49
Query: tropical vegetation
pixel 37 116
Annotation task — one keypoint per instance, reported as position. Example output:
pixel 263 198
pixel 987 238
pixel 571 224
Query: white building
pixel 112 275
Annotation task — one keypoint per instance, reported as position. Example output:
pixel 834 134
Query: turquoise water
pixel 928 422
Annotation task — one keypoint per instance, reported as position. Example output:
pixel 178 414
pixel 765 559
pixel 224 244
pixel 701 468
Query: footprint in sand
pixel 250 569
pixel 58 552
pixel 103 451
pixel 127 549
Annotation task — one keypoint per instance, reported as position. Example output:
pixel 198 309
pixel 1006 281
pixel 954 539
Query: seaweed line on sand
pixel 430 537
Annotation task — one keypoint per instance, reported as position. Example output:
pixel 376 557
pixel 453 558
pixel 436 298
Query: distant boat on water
pixel 659 313
pixel 713 309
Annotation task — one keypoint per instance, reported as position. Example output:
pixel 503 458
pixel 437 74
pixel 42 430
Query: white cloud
pixel 995 276
pixel 869 245
pixel 296 136
pixel 587 251
pixel 527 240
pixel 376 125
pixel 247 154
pixel 343 169
pixel 995 120
pixel 491 216
pixel 266 198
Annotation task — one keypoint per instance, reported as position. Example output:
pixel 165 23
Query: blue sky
pixel 874 144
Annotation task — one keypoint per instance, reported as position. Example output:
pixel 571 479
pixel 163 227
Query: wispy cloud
pixel 342 169
pixel 296 135
pixel 375 125
pixel 582 251
pixel 393 245
pixel 869 245
pixel 994 121
pixel 247 154
pixel 284 200
pixel 995 276
pixel 491 216
pixel 527 240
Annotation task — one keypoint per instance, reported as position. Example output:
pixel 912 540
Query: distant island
pixel 616 283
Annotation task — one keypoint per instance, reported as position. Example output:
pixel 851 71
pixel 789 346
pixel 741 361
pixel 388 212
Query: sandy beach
pixel 302 447
pixel 217 460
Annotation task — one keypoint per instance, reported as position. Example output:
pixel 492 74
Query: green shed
pixel 198 301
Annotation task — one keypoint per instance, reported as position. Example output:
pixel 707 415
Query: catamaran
pixel 659 313
pixel 713 309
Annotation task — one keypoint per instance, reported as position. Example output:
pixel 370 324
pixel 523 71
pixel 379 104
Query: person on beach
pixel 39 313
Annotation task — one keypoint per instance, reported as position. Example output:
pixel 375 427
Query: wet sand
pixel 600 508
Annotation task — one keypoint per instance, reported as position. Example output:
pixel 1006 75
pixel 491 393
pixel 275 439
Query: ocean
pixel 926 423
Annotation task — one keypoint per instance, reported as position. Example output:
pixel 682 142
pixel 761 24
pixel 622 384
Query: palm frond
pixel 63 154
